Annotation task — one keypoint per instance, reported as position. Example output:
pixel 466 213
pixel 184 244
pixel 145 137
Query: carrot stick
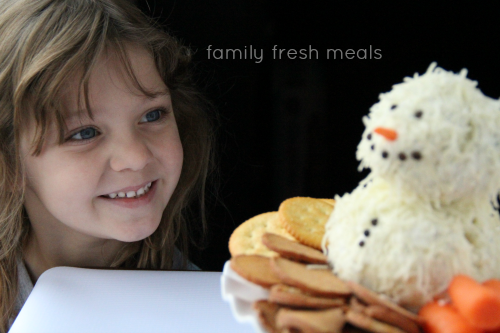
pixel 497 330
pixel 493 284
pixel 444 319
pixel 478 304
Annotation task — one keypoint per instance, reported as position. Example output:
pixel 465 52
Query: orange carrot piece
pixel 494 331
pixel 478 304
pixel 387 133
pixel 444 319
pixel 493 284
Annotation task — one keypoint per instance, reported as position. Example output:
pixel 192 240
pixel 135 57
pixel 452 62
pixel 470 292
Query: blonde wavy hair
pixel 42 43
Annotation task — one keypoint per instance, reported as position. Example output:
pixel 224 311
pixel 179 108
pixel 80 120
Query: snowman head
pixel 436 135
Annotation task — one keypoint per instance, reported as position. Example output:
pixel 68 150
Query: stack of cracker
pixel 281 251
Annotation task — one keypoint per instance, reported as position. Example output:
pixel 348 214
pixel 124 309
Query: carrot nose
pixel 387 133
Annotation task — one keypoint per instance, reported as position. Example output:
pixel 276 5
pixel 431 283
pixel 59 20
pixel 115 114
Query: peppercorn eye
pixel 419 114
pixel 393 106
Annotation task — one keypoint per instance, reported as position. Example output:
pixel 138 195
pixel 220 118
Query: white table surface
pixel 72 300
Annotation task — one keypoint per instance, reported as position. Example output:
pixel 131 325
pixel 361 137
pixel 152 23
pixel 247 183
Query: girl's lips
pixel 133 202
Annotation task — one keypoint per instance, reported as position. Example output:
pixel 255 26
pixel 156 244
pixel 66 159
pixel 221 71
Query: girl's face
pixel 132 141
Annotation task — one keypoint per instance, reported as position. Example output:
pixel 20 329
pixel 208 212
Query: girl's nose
pixel 132 154
pixel 387 133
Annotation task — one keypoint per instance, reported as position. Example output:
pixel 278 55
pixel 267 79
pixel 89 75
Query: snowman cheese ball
pixel 425 212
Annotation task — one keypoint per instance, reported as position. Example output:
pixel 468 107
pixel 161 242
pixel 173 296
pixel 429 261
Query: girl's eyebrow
pixel 78 114
pixel 155 94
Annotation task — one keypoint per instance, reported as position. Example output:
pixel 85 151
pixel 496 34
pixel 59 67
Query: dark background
pixel 291 127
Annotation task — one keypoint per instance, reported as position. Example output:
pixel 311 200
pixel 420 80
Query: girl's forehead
pixel 141 77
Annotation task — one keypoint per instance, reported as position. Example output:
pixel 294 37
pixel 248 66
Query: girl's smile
pixel 130 192
pixel 130 198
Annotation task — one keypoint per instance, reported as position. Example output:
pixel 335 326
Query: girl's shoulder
pixel 178 262
pixel 25 286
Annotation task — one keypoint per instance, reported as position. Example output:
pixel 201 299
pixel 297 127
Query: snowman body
pixel 395 243
pixel 424 214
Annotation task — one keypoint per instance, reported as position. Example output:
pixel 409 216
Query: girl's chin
pixel 135 234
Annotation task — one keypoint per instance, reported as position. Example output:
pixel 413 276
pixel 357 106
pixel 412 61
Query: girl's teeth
pixel 131 194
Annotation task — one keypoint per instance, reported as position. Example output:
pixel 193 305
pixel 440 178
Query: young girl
pixel 103 142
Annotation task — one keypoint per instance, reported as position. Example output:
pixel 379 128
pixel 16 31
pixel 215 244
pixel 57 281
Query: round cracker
pixel 321 321
pixel 293 250
pixel 255 269
pixel 305 218
pixel 247 238
pixel 388 316
pixel 294 297
pixel 329 201
pixel 370 297
pixel 266 313
pixel 314 281
pixel 367 323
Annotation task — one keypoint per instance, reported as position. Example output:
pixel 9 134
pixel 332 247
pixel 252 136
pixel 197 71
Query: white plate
pixel 79 300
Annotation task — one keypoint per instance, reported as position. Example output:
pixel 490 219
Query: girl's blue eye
pixel 152 116
pixel 85 134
